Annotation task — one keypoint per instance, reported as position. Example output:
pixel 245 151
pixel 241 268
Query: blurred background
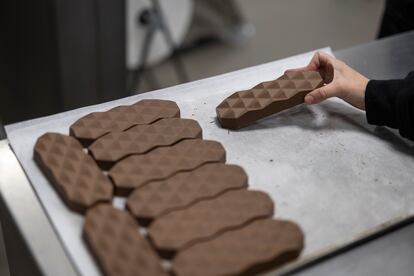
pixel 57 55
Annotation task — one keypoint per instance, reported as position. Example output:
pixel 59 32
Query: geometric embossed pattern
pixel 160 163
pixel 245 107
pixel 74 174
pixel 250 250
pixel 96 124
pixel 112 236
pixel 193 205
pixel 207 219
pixel 143 138
pixel 183 189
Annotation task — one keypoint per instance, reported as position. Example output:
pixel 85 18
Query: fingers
pixel 323 63
pixel 310 67
pixel 305 68
pixel 321 94
pixel 323 59
pixel 319 59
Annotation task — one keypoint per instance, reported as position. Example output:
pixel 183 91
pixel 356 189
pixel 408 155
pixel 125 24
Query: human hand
pixel 341 81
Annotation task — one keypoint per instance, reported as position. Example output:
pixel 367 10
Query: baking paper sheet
pixel 323 165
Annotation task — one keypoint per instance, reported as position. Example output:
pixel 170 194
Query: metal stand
pixel 153 20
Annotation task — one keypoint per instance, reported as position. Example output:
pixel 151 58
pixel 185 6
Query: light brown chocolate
pixel 74 174
pixel 245 107
pixel 207 219
pixel 96 124
pixel 113 237
pixel 142 138
pixel 137 170
pixel 260 246
pixel 184 189
pixel 197 209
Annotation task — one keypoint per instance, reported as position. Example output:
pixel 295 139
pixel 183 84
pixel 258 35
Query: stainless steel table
pixel 390 252
pixel 382 59
pixel 46 255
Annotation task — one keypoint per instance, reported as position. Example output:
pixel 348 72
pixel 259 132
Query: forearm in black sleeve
pixel 391 103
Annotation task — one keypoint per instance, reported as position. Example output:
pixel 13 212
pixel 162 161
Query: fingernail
pixel 309 99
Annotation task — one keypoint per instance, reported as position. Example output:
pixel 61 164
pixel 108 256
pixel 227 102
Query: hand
pixel 341 81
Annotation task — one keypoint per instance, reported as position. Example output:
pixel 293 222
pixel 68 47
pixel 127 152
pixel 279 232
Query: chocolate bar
pixel 113 237
pixel 96 124
pixel 196 208
pixel 184 189
pixel 142 138
pixel 253 249
pixel 208 218
pixel 74 174
pixel 158 164
pixel 245 107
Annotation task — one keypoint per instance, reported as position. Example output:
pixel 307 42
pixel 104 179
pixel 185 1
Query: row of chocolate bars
pixel 183 203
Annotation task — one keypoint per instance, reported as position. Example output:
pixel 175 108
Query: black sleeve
pixel 391 103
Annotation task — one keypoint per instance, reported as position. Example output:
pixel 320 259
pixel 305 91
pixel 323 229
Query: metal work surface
pixel 391 253
pixel 388 58
pixel 31 221
pixel 324 166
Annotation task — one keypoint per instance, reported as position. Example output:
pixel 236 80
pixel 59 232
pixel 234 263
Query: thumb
pixel 320 94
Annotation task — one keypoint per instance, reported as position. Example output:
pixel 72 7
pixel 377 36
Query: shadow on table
pixel 331 115
pixel 395 140
pixel 327 116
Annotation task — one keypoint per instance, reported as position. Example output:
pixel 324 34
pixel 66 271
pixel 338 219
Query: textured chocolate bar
pixel 73 173
pixel 142 138
pixel 94 125
pixel 255 248
pixel 208 218
pixel 183 189
pixel 158 164
pixel 245 107
pixel 113 237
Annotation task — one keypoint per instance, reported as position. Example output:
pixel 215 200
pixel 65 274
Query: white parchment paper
pixel 323 165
